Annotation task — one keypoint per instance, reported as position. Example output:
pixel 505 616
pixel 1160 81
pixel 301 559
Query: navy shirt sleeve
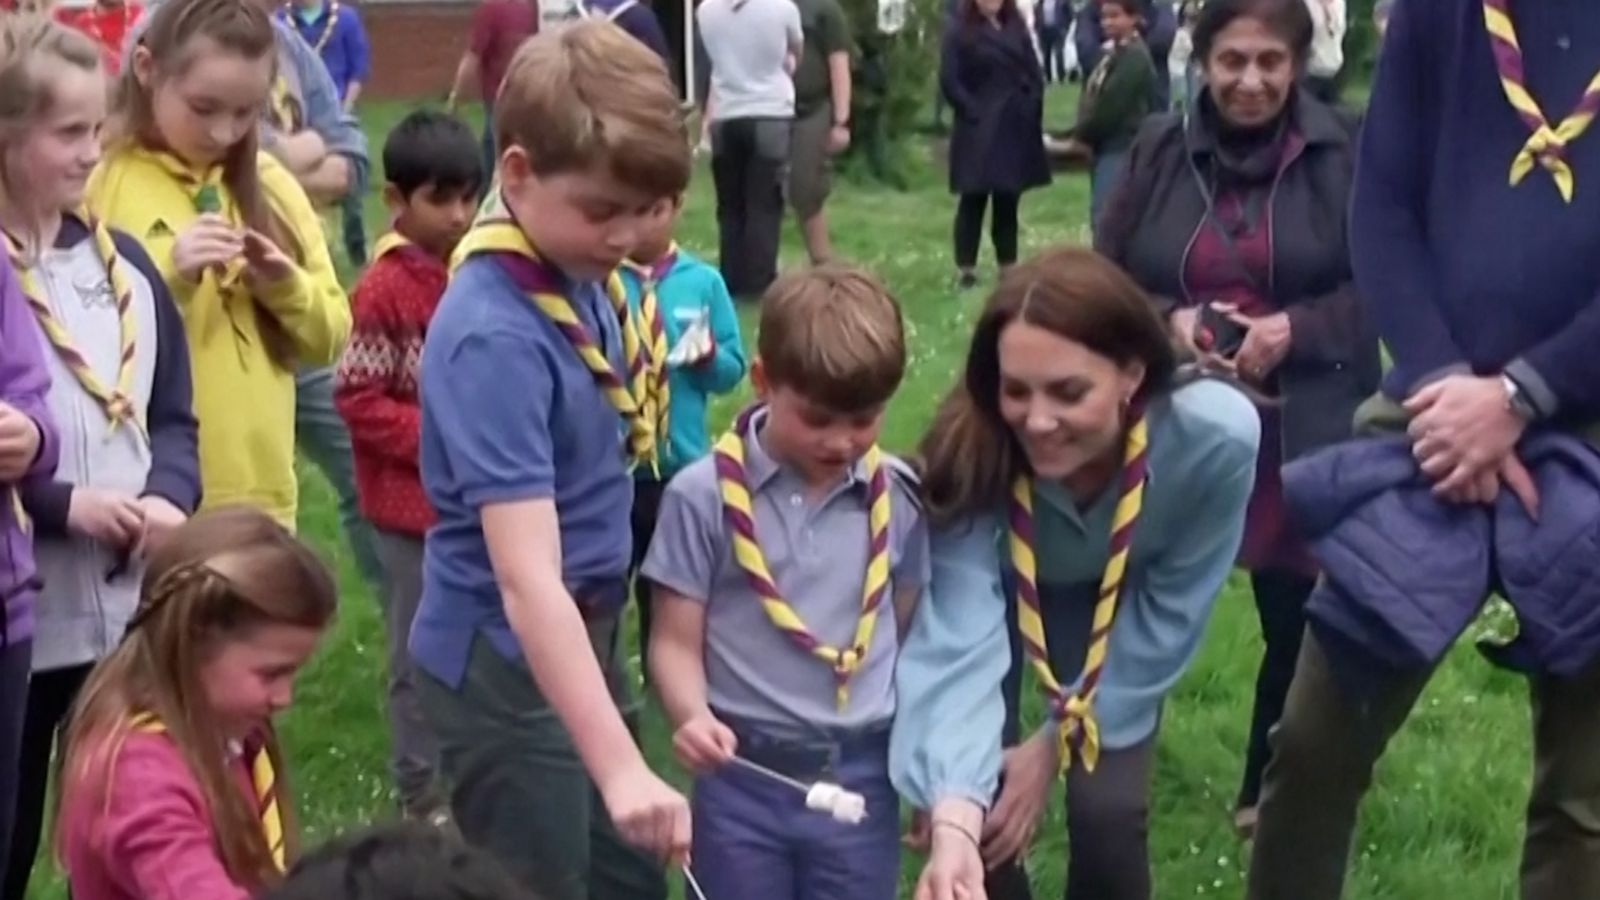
pixel 1389 248
pixel 497 442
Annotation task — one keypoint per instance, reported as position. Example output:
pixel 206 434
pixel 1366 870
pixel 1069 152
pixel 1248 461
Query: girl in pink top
pixel 173 779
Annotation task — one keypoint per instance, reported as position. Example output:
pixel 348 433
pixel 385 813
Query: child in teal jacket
pixel 705 357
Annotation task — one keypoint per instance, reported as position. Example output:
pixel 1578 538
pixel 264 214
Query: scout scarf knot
pixel 1547 145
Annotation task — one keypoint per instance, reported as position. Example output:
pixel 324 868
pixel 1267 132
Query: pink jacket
pixel 152 838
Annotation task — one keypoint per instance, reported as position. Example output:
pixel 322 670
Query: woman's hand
pixel 267 264
pixel 954 870
pixel 1183 321
pixel 1266 345
pixel 1029 769
pixel 210 242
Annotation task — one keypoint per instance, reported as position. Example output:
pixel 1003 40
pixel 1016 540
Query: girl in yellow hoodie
pixel 233 234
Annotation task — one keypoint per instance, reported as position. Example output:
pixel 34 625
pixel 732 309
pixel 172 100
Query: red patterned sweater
pixel 377 385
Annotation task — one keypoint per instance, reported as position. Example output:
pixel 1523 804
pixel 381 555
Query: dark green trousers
pixel 1324 751
pixel 518 788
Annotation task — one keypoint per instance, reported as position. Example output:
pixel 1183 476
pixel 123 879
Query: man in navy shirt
pixel 1474 237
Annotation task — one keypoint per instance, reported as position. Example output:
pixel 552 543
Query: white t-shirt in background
pixel 749 42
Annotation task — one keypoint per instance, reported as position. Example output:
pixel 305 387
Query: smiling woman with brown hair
pixel 1232 214
pixel 1088 496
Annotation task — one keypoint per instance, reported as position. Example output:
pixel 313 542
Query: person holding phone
pixel 1232 214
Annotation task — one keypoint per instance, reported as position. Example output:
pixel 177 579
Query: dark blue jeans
pixel 754 837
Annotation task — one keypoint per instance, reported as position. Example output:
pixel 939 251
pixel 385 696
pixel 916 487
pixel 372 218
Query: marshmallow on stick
pixel 845 806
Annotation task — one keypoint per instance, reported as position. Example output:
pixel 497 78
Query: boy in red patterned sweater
pixel 433 173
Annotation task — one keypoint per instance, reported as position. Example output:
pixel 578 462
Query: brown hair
pixel 591 94
pixel 33 50
pixel 834 334
pixel 219 576
pixel 969 453
pixel 236 26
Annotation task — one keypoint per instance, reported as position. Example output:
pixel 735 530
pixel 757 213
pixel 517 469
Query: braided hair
pixel 220 576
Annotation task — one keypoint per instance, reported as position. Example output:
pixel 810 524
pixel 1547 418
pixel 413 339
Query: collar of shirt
pixel 761 468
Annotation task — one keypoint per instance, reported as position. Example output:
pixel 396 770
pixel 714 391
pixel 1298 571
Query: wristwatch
pixel 1517 400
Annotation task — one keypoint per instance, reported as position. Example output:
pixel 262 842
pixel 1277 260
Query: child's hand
pixel 19 442
pixel 267 264
pixel 110 517
pixel 209 243
pixel 704 744
pixel 648 813
pixel 161 518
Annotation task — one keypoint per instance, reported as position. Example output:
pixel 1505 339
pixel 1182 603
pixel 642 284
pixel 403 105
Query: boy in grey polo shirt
pixel 827 529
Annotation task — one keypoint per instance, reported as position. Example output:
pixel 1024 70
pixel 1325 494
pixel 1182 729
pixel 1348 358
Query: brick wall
pixel 415 47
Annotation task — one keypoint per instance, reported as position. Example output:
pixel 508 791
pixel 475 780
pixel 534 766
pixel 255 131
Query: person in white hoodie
pixel 1328 22
pixel 120 392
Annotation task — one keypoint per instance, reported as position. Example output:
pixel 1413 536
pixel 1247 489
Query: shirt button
pixel 796 500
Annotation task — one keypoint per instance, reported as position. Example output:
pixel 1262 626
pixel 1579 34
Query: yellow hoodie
pixel 243 398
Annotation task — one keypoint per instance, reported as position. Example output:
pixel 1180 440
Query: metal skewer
pixel 759 769
pixel 694 885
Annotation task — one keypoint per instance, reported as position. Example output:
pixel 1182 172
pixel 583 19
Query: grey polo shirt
pixel 817 553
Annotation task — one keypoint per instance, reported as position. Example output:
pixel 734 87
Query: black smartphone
pixel 1215 333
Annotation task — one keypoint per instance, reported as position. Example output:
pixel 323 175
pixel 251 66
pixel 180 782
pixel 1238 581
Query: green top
pixel 1117 98
pixel 826 33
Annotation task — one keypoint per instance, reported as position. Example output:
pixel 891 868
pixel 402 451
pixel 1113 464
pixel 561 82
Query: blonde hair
pixel 236 26
pixel 835 334
pixel 591 94
pixel 33 51
pixel 221 575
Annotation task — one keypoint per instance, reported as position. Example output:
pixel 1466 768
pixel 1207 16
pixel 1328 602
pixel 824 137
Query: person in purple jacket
pixel 29 449
pixel 1475 227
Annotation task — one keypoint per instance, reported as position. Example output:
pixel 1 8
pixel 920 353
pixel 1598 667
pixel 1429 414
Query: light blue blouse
pixel 946 739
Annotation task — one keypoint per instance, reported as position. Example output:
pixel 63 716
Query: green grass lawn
pixel 1443 821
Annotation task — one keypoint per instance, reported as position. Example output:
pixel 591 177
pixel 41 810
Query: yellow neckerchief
pixel 733 484
pixel 627 391
pixel 262 777
pixel 116 401
pixel 1073 710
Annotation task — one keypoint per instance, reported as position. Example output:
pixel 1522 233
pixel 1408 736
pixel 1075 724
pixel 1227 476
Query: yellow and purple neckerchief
pixel 629 393
pixel 115 400
pixel 733 483
pixel 1547 146
pixel 1073 711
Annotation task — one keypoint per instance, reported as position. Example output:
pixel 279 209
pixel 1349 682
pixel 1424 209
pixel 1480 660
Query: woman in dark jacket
pixel 1233 216
pixel 991 77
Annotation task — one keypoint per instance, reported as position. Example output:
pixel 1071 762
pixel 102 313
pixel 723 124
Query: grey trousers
pixel 518 788
pixel 414 751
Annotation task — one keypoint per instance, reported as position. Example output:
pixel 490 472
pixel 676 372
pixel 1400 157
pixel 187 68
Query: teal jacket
pixel 689 289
